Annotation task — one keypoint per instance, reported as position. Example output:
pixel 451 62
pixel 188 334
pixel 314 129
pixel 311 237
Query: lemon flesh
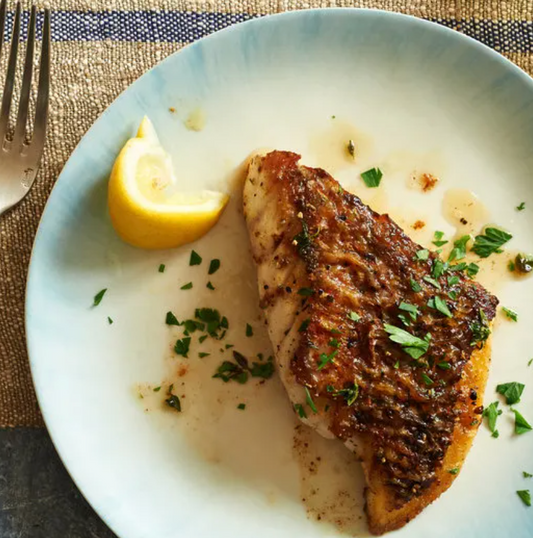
pixel 145 210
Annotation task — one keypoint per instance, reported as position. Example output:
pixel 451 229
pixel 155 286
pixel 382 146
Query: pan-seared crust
pixel 337 282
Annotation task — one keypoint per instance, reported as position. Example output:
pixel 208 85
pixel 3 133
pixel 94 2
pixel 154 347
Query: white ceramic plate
pixel 416 98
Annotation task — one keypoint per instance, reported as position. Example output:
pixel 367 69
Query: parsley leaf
pixel 444 365
pixel 350 394
pixel 459 248
pixel 453 280
pixel 210 286
pixel 492 413
pixel 302 239
pixel 241 406
pixel 309 401
pixel 432 281
pixel 98 297
pixel 455 470
pixel 214 266
pixel 249 330
pixel 202 354
pixel 229 371
pixel 203 338
pixel 171 319
pixel 415 286
pixel 490 242
pixel 525 496
pixel 412 345
pixel 372 177
pixel 182 346
pixel 511 314
pixel 354 316
pixel 162 268
pixel 326 359
pixel 438 241
pixel 306 292
pixel 521 206
pixel 195 258
pixel 109 320
pixel 411 309
pixel 472 269
pixel 442 307
pixel 304 325
pixel 427 380
pixel 299 408
pixel 422 254
pixel 439 267
pixel 521 425
pixel 527 475
pixel 512 392
pixel 480 330
pixel 262 369
pixel 187 286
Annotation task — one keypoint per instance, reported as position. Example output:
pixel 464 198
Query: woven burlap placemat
pixel 100 47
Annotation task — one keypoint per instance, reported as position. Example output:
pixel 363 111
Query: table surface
pixel 91 39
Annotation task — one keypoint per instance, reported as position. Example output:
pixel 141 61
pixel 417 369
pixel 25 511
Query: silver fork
pixel 19 158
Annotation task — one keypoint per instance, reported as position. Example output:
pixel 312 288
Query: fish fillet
pixel 378 342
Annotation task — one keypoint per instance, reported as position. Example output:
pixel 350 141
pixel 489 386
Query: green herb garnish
pixel 306 292
pixel 187 286
pixel 354 316
pixel 438 241
pixel 210 286
pixel 521 206
pixel 309 401
pixel 109 320
pixel 511 314
pixel 426 379
pixel 472 269
pixel 229 371
pixel 350 394
pixel 511 266
pixel 182 346
pixel 195 259
pixel 492 413
pixel 299 408
pixel 455 470
pixel 439 267
pixel 171 319
pixel 156 389
pixel 304 325
pixel 203 338
pixel 525 496
pixel 372 177
pixel 264 370
pixel 512 392
pixel 444 365
pixel 490 242
pixel 162 268
pixel 98 297
pixel 525 474
pixel 351 148
pixel 521 425
pixel 214 266
pixel 453 280
pixel 326 359
pixel 442 307
pixel 459 248
pixel 411 309
pixel 202 354
pixel 432 281
pixel 249 330
pixel 241 406
pixel 480 330
pixel 415 286
pixel 412 345
pixel 422 254
pixel 523 263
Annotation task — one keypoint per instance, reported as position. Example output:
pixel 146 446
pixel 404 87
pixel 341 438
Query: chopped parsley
pixel 182 346
pixel 455 470
pixel 396 365
pixel 530 362
pixel 521 206
pixel 415 286
pixel 304 325
pixel 472 269
pixel 299 408
pixel 439 267
pixel 511 314
pixel 490 242
pixel 156 389
pixel 187 286
pixel 302 239
pixel 309 401
pixel 453 280
pixel 350 394
pixel 432 281
pixel 411 309
pixel 442 307
pixel 162 268
pixel 195 259
pixel 210 286
pixel 492 413
pixel 202 354
pixel 241 406
pixel 511 266
pixel 229 346
pixel 426 379
pixel 109 320
pixel 525 474
pixel 174 402
pixel 523 263
pixel 452 295
pixel 525 496
pixel 521 425
pixel 422 254
pixel 306 292
pixel 203 338
pixel 326 359
pixel 480 330
pixel 171 319
pixel 264 370
pixel 372 177
pixel 437 239
pixel 354 316
pixel 459 248
pixel 214 266
pixel 444 365
pixel 98 297
pixel 512 392
pixel 249 330
pixel 412 345
pixel 229 371
pixel 240 369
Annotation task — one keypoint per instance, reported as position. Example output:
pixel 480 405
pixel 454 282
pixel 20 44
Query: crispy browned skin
pixel 413 420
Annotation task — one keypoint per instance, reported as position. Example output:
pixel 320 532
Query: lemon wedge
pixel 145 210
